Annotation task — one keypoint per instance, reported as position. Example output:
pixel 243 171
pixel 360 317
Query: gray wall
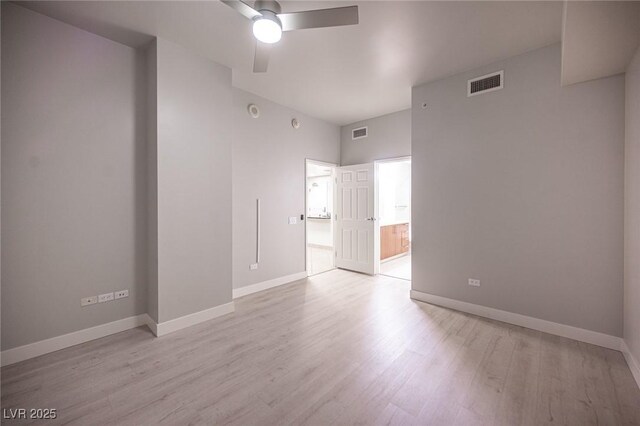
pixel 522 189
pixel 269 163
pixel 0 178
pixel 133 182
pixel 151 53
pixel 194 101
pixel 73 177
pixel 389 137
pixel 632 209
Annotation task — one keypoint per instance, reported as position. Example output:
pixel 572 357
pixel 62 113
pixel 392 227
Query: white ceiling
pixel 599 39
pixel 342 74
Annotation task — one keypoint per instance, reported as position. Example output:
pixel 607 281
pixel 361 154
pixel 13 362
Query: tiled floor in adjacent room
pixel 397 268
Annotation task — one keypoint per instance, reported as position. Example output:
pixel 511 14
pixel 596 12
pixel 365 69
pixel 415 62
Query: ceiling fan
pixel 269 23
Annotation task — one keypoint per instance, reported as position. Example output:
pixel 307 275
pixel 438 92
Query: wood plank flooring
pixel 338 348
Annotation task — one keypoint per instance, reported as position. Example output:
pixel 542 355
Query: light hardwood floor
pixel 338 348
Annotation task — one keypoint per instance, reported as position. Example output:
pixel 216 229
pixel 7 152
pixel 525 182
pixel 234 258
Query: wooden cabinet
pixel 394 240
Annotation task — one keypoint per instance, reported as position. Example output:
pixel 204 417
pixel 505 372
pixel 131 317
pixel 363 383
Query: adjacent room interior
pixel 344 212
pixel 320 179
pixel 394 216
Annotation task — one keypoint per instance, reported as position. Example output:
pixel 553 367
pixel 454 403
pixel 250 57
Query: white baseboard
pixel 397 256
pixel 164 328
pixel 575 333
pixel 254 288
pixel 152 324
pixel 633 364
pixel 32 350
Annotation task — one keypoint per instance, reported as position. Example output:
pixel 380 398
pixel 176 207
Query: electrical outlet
pixel 253 266
pixel 293 220
pixel 474 283
pixel 107 297
pixel 92 300
pixel 122 293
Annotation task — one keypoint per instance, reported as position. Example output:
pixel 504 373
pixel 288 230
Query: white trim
pixel 254 288
pixel 633 364
pixel 32 350
pixel 164 328
pixel 580 334
pixel 394 159
pixel 319 163
pixel 396 257
pixel 152 324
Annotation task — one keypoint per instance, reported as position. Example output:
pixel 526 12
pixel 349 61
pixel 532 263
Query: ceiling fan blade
pixel 261 58
pixel 319 18
pixel 243 8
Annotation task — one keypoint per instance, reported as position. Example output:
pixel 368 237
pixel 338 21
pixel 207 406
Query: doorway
pixel 319 226
pixel 394 216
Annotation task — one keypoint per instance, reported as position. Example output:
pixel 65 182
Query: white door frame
pixel 333 228
pixel 376 164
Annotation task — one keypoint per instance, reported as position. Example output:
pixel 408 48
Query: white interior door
pixel 355 221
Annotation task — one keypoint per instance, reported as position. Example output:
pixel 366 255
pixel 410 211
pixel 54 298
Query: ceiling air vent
pixel 486 83
pixel 359 133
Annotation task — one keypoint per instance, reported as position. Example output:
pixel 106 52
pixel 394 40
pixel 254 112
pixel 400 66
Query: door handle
pixel 371 218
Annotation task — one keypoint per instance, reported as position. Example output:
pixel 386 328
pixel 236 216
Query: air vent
pixel 359 133
pixel 486 83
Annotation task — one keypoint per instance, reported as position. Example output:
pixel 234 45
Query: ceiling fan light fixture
pixel 267 28
pixel 269 22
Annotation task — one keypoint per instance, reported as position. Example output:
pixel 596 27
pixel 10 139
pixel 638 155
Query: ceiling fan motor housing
pixel 271 16
pixel 267 6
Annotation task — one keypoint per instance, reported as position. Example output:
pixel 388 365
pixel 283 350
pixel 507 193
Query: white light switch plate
pixel 474 283
pixel 293 220
pixel 105 297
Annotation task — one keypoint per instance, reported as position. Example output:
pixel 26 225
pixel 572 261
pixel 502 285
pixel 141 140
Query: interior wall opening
pixel 394 215
pixel 320 201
